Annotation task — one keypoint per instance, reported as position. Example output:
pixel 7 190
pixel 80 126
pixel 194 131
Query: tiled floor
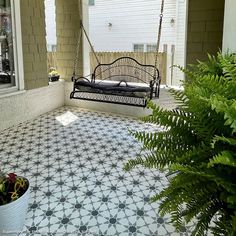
pixel 73 159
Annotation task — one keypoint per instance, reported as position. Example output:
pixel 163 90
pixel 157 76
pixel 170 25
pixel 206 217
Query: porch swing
pixel 124 81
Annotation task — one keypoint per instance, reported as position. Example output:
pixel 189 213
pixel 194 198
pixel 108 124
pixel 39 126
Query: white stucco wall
pixel 229 37
pixel 27 105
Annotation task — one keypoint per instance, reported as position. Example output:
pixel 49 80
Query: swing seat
pixel 114 87
pixel 124 81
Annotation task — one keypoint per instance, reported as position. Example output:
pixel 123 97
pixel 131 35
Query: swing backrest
pixel 126 69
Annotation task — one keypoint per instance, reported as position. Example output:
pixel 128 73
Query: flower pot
pixel 12 215
pixel 54 78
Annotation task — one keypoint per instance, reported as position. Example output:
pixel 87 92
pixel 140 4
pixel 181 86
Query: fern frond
pixel 222 225
pixel 152 160
pixel 226 158
pixel 180 97
pixel 221 104
pixel 198 143
pixel 223 139
pixel 205 217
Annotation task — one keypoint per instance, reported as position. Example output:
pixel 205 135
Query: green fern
pixel 198 144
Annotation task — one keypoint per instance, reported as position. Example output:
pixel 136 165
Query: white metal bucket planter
pixel 12 215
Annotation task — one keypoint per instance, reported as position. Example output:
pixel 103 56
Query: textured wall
pixel 30 104
pixel 205 28
pixel 34 43
pixel 68 26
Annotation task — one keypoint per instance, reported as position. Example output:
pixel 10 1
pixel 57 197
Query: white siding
pixel 136 22
pixel 50 22
pixel 132 22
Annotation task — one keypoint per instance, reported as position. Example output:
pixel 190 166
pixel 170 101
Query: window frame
pixel 89 3
pixel 153 45
pixel 142 44
pixel 17 50
pixel 145 46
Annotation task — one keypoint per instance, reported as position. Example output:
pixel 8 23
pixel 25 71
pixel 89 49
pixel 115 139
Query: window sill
pixel 12 93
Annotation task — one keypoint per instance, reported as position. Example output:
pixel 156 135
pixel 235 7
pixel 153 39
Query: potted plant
pixel 198 147
pixel 14 196
pixel 53 75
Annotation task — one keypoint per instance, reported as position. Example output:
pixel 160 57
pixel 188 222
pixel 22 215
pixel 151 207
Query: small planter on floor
pixel 54 78
pixel 13 213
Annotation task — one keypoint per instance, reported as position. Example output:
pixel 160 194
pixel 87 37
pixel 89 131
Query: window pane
pixel 50 20
pixel 138 47
pixel 91 2
pixel 7 70
pixel 151 47
pixel 51 47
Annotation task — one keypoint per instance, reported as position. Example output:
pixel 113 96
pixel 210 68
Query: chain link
pixel 77 53
pixel 159 33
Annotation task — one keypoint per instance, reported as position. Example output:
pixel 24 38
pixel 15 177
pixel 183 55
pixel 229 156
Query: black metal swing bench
pixel 124 81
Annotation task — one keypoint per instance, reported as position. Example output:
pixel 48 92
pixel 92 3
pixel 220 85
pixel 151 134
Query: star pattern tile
pixel 74 161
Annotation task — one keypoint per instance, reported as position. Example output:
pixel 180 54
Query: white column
pixel 181 40
pixel 86 47
pixel 229 35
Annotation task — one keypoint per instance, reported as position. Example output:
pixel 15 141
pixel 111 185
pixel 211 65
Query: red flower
pixel 11 177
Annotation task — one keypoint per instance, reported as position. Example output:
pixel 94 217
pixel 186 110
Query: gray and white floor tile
pixel 73 159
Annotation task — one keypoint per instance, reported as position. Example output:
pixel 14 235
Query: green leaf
pixel 198 142
pixel 225 158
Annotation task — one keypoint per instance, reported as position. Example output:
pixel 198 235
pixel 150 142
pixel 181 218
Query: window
pixel 151 47
pixel 10 67
pixel 144 47
pixel 51 47
pixel 7 70
pixel 138 47
pixel 91 2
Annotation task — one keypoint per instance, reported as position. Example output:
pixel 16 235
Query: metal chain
pixel 77 54
pixel 159 32
pixel 82 29
pixel 91 46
